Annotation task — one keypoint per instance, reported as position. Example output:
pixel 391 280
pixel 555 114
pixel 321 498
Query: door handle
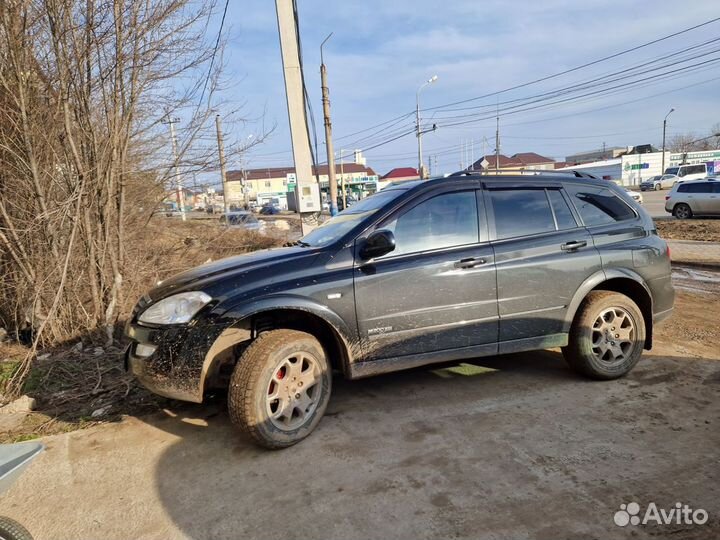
pixel 470 262
pixel 573 245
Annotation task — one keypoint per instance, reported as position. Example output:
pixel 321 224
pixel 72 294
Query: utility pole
pixel 223 177
pixel 328 132
pixel 342 179
pixel 418 130
pixel 662 171
pixel 245 184
pixel 294 91
pixel 179 193
pixel 497 144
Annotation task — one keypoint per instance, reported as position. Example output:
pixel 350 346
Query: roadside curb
pixel 697 264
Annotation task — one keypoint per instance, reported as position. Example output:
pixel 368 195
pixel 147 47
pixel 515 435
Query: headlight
pixel 176 309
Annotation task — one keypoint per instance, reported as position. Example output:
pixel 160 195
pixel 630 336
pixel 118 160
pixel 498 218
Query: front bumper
pixel 175 367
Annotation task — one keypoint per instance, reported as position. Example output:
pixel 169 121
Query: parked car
pixel 244 219
pixel 694 198
pixel 636 195
pixel 424 272
pixel 269 209
pixel 688 172
pixel 665 181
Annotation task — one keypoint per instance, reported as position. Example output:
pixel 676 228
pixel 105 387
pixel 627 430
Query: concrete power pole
pixel 223 177
pixel 295 98
pixel 328 132
pixel 180 194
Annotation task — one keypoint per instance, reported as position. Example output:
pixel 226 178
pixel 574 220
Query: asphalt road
pixel 654 203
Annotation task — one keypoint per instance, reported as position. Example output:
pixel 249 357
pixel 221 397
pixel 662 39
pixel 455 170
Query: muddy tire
pixel 607 336
pixel 280 388
pixel 12 530
pixel 682 211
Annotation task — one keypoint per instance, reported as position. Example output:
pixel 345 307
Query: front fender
pixel 237 322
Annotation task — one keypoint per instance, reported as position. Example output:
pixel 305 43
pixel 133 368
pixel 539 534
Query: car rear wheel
pixel 607 336
pixel 682 211
pixel 280 388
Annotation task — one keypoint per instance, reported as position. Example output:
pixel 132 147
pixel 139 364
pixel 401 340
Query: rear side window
pixel 521 212
pixel 599 206
pixel 699 187
pixel 563 215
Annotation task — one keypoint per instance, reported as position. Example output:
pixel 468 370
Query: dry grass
pixel 705 230
pixel 79 376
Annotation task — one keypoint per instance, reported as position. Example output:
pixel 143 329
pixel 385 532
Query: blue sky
pixel 381 51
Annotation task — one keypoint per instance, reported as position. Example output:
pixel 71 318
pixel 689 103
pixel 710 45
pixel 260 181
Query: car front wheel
pixel 682 211
pixel 657 187
pixel 607 336
pixel 280 388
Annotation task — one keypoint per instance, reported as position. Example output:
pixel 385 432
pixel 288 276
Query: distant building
pixel 399 174
pixel 522 160
pixel 266 184
pixel 610 152
pixel 607 169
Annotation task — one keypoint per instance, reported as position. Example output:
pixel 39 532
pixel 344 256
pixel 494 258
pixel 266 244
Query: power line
pixel 576 68
pixel 215 49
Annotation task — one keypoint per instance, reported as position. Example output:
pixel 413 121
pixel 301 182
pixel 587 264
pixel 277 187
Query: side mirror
pixel 378 244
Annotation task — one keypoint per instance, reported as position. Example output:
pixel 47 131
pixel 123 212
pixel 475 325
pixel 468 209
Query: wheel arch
pixel 623 281
pixel 289 312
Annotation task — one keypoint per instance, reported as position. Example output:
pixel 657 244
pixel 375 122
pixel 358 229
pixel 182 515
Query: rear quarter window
pixel 701 187
pixel 599 206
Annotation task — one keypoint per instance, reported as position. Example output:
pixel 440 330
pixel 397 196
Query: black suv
pixel 419 273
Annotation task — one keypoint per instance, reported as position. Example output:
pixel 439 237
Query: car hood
pixel 206 275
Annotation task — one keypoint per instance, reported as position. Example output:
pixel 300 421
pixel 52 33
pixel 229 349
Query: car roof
pixel 525 179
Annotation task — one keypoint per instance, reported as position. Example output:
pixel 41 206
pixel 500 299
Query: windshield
pixel 335 228
pixel 672 170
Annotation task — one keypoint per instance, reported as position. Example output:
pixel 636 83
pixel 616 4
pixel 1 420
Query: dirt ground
pixel 707 230
pixel 516 446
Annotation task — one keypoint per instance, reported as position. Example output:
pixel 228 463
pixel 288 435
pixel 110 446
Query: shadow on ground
pixel 520 448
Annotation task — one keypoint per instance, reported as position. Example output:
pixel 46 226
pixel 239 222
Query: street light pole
pixel 662 170
pixel 418 131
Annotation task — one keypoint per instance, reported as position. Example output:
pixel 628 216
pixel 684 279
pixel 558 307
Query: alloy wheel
pixel 294 390
pixel 613 335
pixel 682 212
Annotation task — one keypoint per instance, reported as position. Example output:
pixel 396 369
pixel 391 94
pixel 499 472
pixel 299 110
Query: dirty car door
pixel 543 255
pixel 437 289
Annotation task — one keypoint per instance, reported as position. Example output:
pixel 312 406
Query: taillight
pixel 667 197
pixel 667 249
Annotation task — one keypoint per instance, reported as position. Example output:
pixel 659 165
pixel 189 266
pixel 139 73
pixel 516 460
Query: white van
pixel 688 172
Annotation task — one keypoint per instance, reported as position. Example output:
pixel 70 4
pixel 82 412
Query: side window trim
pixel 552 210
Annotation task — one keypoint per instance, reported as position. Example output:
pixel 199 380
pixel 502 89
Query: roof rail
pixel 527 172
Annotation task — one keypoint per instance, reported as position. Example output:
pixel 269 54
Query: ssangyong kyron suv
pixel 419 273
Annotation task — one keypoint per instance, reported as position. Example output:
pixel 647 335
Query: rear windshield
pixel 672 170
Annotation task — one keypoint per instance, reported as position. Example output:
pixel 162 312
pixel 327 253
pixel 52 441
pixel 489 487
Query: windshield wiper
pixel 296 243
